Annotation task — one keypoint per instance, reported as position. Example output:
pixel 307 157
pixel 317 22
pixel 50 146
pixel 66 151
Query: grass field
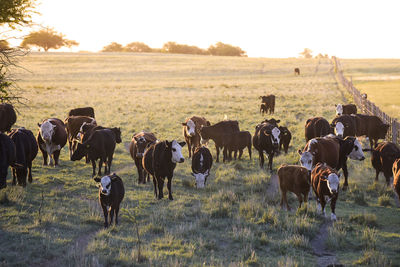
pixel 236 220
pixel 379 79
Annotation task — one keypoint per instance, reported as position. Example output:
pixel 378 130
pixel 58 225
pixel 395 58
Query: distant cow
pixel 294 179
pixel 344 125
pixel 86 111
pixel 316 127
pixel 264 108
pixel 191 129
pixel 201 165
pixel 284 138
pixel 325 184
pixel 159 161
pixel 234 142
pixel 111 194
pixel 269 101
pixel 372 127
pixel 296 71
pixel 51 138
pixel 266 139
pixel 217 131
pixel 7 157
pixel 137 148
pixel 345 109
pixel 100 145
pixel 26 151
pixel 382 159
pixel 7 117
pixel 396 177
pixel 73 125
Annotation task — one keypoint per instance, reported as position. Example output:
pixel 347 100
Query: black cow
pixel 7 117
pixel 201 165
pixel 266 139
pixel 86 111
pixel 235 142
pixel 316 127
pixel 7 157
pixel 137 148
pixel 372 127
pixel 26 151
pixel 285 137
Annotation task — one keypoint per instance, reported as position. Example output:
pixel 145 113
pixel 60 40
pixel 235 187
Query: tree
pixel 47 39
pixel 4 45
pixel 113 47
pixel 172 47
pixel 16 12
pixel 137 47
pixel 307 53
pixel 221 49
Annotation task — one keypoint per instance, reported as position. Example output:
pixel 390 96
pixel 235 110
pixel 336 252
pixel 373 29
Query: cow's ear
pixel 136 139
pixel 299 151
pixel 40 125
pixel 182 144
pixel 184 123
pixel 113 176
pixel 97 179
pixel 208 123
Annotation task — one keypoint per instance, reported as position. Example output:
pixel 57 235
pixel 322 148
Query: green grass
pixel 235 220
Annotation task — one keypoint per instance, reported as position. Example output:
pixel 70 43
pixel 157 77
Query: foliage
pixel 174 48
pixel 307 53
pixel 137 47
pixel 16 12
pixel 221 49
pixel 47 39
pixel 113 47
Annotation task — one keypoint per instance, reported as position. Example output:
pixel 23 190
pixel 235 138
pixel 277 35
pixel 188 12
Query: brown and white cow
pixel 372 127
pixel 137 148
pixel 191 129
pixel 269 101
pixel 7 117
pixel 51 138
pixel 316 127
pixel 396 177
pixel 73 125
pixel 345 109
pixel 325 184
pixel 201 165
pixel 382 159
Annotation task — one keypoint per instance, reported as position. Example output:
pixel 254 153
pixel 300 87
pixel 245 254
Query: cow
pixel 266 139
pixel 86 111
pixel 396 176
pixel 191 128
pixel 236 141
pixel 325 183
pixel 7 157
pixel 216 133
pixel 7 117
pixel 333 151
pixel 201 165
pixel 294 179
pixel 51 138
pixel 316 127
pixel 344 125
pixel 100 145
pixel 382 159
pixel 263 108
pixel 159 161
pixel 296 71
pixel 87 129
pixel 111 194
pixel 370 126
pixel 26 151
pixel 137 148
pixel 73 125
pixel 345 109
pixel 284 138
pixel 269 101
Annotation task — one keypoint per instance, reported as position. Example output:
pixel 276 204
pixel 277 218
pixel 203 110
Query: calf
pixel 294 179
pixel 269 102
pixel 345 109
pixel 396 177
pixel 344 125
pixel 325 184
pixel 236 141
pixel 266 139
pixel 73 125
pixel 201 165
pixel 159 161
pixel 370 126
pixel 382 159
pixel 137 148
pixel 7 117
pixel 100 145
pixel 217 131
pixel 284 138
pixel 26 151
pixel 316 127
pixel 191 128
pixel 296 71
pixel 111 194
pixel 86 111
pixel 51 138
pixel 7 157
pixel 264 108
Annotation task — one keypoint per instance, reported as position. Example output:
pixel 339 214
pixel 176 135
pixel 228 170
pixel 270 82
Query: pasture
pixel 236 220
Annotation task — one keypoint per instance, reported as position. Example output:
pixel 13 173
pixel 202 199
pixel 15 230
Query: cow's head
pixel 140 145
pixel 204 134
pixel 339 109
pixel 333 182
pixel 356 148
pixel 272 121
pixel 382 130
pixel 176 151
pixel 274 135
pixel 190 127
pixel 80 151
pixel 201 178
pixel 105 184
pixel 117 132
pixel 47 130
pixel 339 128
pixel 306 159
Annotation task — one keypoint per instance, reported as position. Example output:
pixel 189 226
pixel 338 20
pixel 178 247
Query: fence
pixel 366 106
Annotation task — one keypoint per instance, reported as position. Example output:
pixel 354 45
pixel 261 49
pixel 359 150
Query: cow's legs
pixel 333 205
pixel 346 175
pixel 249 148
pixel 300 198
pixel 284 200
pixel 169 188
pixel 160 182
pixel 94 168
pixel 376 175
pixel 105 213
pixel 100 166
pixel 270 158
pixel 112 211
pixel 190 148
pixel 240 154
pixel 44 157
pixel 116 214
pixel 225 154
pixel 110 158
pixel 155 186
pixel 56 156
pixel 261 155
pixel 30 172
pixel 217 148
pixel 14 174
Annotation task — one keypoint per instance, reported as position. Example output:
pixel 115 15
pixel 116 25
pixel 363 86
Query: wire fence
pixel 366 106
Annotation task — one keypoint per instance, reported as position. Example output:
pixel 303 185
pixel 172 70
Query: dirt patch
pixel 273 186
pixel 324 257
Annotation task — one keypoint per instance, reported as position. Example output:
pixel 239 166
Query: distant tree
pixel 322 56
pixel 47 39
pixel 307 53
pixel 172 47
pixel 16 12
pixel 221 49
pixel 113 47
pixel 137 47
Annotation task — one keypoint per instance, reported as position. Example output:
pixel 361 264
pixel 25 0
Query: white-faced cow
pixel 191 129
pixel 51 138
pixel 201 165
pixel 266 140
pixel 345 109
pixel 7 157
pixel 344 125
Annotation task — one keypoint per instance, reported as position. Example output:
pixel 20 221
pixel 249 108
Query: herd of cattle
pixel 328 145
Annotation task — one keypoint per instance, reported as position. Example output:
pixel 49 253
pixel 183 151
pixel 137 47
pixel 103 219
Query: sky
pixel 267 28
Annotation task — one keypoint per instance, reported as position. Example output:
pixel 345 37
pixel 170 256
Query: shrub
pixel 366 219
pixel 384 200
pixel 373 258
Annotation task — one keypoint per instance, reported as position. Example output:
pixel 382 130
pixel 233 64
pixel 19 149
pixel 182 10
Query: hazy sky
pixel 268 28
